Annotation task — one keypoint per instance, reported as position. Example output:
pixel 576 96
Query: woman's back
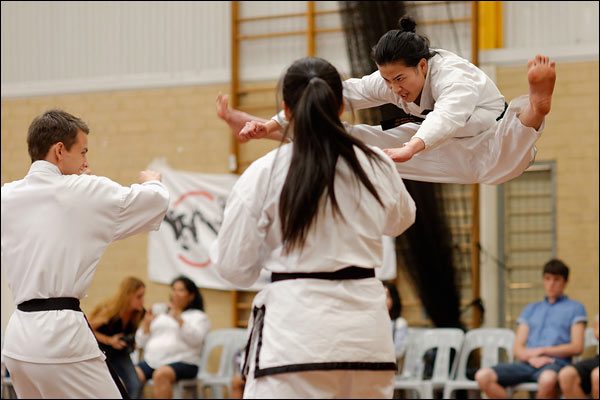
pixel 350 237
pixel 313 212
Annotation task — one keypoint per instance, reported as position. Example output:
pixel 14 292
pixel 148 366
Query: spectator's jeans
pixel 123 366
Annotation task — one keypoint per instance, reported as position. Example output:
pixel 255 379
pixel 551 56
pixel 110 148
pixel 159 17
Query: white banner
pixel 181 245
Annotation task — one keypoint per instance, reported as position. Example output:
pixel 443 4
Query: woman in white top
pixel 172 338
pixel 313 212
pixel 443 97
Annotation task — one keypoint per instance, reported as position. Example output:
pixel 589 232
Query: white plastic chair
pixel 530 387
pixel 590 339
pixel 407 360
pixel 490 341
pixel 444 339
pixel 231 340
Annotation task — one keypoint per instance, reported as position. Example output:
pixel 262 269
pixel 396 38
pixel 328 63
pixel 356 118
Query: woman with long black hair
pixel 313 212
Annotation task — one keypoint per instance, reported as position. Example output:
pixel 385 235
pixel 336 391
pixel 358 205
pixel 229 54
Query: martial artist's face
pixel 74 160
pixel 406 82
pixel 554 285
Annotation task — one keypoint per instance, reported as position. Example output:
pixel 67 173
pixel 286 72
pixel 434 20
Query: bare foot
pixel 541 75
pixel 236 119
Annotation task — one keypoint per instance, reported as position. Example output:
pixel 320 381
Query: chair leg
pixel 426 391
pixel 448 392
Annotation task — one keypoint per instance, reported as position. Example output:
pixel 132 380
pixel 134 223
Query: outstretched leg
pixel 541 74
pixel 236 119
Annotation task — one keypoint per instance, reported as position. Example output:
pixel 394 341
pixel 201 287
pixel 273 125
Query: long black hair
pixel 197 302
pixel 312 90
pixel 402 45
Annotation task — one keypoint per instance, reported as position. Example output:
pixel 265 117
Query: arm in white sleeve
pixel 280 119
pixel 141 338
pixel 455 104
pixel 239 243
pixel 492 157
pixel 142 209
pixel 401 210
pixel 402 214
pixel 195 327
pixel 368 91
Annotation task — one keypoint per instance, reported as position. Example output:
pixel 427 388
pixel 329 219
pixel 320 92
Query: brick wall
pixel 571 140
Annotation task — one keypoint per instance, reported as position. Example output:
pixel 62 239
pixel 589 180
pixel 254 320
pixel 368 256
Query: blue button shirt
pixel 550 324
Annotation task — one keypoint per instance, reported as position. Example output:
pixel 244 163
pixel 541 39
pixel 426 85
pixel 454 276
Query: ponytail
pixel 312 89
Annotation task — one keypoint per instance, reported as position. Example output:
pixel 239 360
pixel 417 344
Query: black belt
pixel 402 118
pixel 54 303
pixel 405 118
pixel 69 303
pixel 342 274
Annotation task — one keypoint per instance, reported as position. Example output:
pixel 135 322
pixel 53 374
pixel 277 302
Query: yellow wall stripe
pixel 490 25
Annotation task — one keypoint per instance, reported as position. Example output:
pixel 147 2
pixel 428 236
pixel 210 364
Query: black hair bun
pixel 407 24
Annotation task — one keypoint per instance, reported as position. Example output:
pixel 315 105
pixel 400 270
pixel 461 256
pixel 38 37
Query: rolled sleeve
pixel 579 314
pixel 526 315
pixel 143 207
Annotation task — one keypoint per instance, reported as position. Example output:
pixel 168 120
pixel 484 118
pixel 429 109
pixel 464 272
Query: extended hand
pixel 400 154
pixel 149 175
pixel 253 130
pixel 116 341
pixel 407 151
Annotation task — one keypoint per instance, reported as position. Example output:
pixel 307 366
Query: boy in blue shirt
pixel 549 333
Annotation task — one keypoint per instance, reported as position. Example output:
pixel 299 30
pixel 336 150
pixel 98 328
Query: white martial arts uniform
pixel 465 143
pixel 321 333
pixel 55 228
pixel 495 156
pixel 168 342
pixel 458 99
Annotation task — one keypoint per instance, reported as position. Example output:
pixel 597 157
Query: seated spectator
pixel 549 333
pixel 577 381
pixel 114 322
pixel 399 324
pixel 172 339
